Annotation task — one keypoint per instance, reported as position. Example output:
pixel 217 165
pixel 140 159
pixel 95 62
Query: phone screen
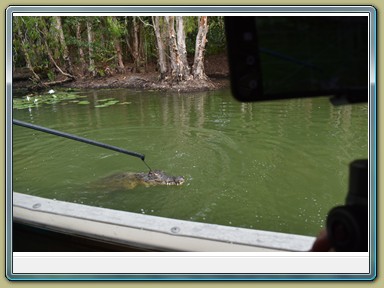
pixel 275 57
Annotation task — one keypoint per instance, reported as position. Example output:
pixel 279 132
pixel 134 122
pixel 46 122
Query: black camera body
pixel 347 226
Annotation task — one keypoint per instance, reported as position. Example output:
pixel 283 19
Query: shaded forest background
pixel 53 50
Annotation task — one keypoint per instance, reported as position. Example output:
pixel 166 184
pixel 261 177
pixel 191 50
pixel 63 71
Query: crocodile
pixel 129 180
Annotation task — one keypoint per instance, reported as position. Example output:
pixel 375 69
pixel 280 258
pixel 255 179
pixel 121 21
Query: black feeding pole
pixel 80 139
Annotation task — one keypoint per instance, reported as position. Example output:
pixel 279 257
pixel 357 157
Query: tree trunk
pixel 117 44
pixel 64 48
pixel 90 49
pixel 162 60
pixel 126 34
pixel 184 67
pixel 135 46
pixel 173 51
pixel 142 47
pixel 119 54
pixel 198 71
pixel 83 64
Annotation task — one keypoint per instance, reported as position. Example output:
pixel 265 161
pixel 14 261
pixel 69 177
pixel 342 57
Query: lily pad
pixel 106 104
pixel 84 102
pixel 31 101
pixel 106 99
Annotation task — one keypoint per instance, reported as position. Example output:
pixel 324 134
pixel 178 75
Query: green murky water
pixel 277 166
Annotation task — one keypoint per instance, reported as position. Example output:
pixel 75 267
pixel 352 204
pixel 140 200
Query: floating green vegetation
pixel 105 99
pixel 53 97
pixel 84 102
pixel 32 101
pixel 106 102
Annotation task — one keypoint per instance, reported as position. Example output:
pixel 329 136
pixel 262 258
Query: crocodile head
pixel 157 177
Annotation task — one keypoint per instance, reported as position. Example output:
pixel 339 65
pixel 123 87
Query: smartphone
pixel 280 57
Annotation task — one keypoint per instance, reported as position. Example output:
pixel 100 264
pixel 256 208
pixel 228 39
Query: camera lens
pixel 346 227
pixel 340 232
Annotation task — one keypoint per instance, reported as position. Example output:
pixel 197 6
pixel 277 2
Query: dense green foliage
pixel 77 46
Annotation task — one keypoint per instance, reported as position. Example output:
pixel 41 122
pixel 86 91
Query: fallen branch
pixel 54 83
pixel 45 85
pixel 57 66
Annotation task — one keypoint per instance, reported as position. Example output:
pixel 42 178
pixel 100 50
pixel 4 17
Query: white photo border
pixel 227 275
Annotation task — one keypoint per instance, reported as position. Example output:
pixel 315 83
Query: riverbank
pixel 216 68
pixel 148 82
